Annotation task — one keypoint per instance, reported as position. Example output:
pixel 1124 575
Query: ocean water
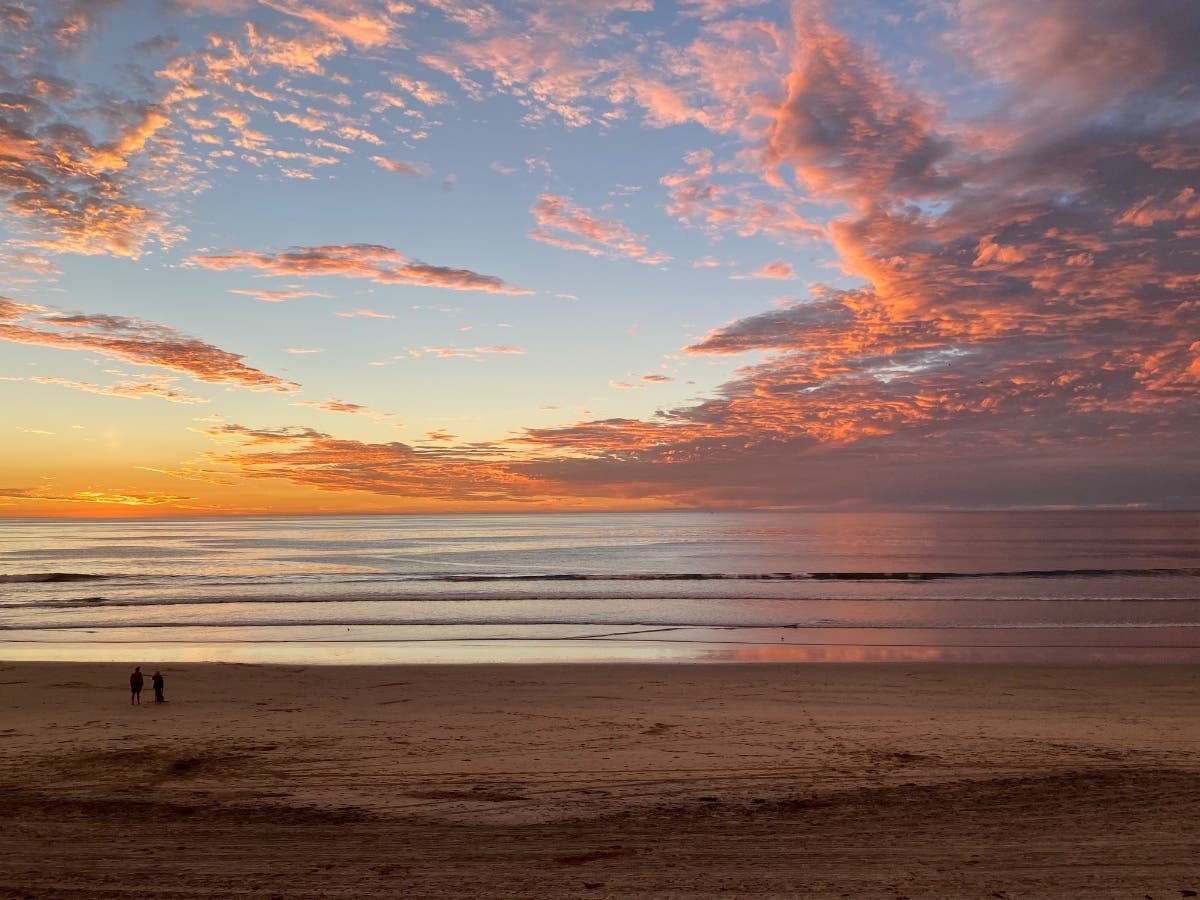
pixel 1114 586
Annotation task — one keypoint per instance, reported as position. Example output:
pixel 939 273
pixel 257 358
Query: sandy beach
pixel 921 781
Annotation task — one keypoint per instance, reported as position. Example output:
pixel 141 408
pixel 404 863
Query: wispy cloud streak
pixel 371 261
pixel 133 340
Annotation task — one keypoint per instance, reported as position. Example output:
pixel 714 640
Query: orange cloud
pixel 106 498
pixel 133 340
pixel 134 390
pixel 342 406
pixel 317 460
pixel 304 122
pixel 73 194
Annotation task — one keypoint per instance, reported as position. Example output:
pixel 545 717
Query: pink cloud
pixel 280 296
pixel 366 26
pixel 778 270
pixel 1149 211
pixel 715 9
pixel 698 197
pixel 372 261
pixel 563 224
pixel 365 314
pixel 468 352
pixel 399 167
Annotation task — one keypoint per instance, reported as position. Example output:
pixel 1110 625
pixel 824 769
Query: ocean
pixel 1097 586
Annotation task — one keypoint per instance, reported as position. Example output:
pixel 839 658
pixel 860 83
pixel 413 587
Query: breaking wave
pixel 42 577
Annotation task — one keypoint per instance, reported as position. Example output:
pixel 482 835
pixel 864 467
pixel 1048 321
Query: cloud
pixel 715 9
pixel 280 296
pixel 466 352
pixel 106 498
pixel 133 390
pixel 846 128
pixel 563 224
pixel 133 340
pixel 364 314
pixel 1022 326
pixel 72 193
pixel 400 167
pixel 84 165
pixel 719 199
pixel 19 266
pixel 372 261
pixel 476 474
pixel 582 64
pixel 1020 312
pixel 342 406
pixel 421 91
pixel 301 121
pixel 1014 304
pixel 369 27
pixel 778 270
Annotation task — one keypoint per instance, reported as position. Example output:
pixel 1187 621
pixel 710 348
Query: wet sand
pixel 646 781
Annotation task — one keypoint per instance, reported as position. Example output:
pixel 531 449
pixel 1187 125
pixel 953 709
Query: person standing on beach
pixel 135 686
pixel 157 680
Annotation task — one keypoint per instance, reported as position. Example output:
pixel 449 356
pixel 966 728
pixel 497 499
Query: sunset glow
pixel 294 256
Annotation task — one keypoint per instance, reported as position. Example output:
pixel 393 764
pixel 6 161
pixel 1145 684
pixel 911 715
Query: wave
pixel 823 576
pixel 637 626
pixel 97 602
pixel 49 576
pixel 143 580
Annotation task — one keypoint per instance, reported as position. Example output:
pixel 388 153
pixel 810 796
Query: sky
pixel 303 256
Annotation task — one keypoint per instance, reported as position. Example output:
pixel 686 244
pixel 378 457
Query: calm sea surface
pixel 1044 586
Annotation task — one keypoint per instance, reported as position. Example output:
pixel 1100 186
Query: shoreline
pixel 785 646
pixel 631 779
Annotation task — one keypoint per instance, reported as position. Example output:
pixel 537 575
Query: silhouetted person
pixel 135 686
pixel 157 680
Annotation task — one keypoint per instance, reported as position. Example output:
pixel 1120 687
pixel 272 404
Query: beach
pixel 654 780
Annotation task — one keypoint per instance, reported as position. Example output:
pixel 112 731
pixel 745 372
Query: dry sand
pixel 646 781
